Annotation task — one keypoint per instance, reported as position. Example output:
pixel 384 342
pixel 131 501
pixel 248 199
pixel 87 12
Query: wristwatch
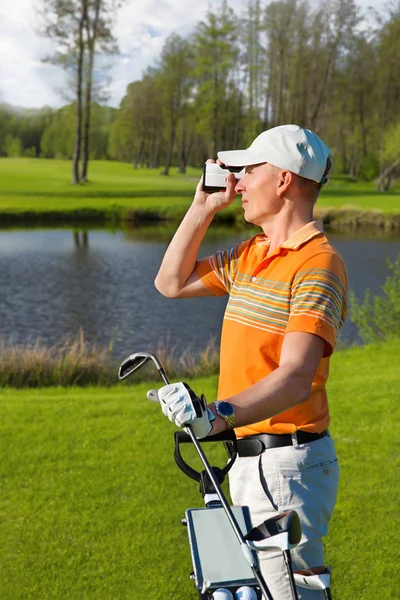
pixel 227 412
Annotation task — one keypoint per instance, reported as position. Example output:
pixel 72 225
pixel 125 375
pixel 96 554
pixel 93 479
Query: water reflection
pixel 54 281
pixel 81 239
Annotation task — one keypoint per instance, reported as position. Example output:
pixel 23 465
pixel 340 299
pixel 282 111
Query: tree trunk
pixel 363 127
pixel 138 158
pixel 170 148
pixel 325 81
pixel 386 177
pixel 78 131
pixel 185 149
pixel 91 39
pixel 86 128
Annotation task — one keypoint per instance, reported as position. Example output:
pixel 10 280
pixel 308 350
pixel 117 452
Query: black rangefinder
pixel 214 176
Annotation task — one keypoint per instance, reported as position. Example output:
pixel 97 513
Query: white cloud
pixel 141 28
pixel 24 79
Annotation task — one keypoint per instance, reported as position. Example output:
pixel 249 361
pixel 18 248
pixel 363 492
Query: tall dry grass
pixel 77 362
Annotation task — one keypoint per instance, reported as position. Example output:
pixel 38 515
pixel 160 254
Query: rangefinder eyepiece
pixel 214 176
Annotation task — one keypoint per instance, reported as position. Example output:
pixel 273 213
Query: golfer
pixel 287 301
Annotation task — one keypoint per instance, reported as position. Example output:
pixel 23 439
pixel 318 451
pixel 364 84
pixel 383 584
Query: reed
pixel 78 362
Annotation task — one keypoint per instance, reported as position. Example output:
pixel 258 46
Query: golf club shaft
pixel 245 548
pixel 211 475
pixel 288 562
pixel 327 594
pixel 164 376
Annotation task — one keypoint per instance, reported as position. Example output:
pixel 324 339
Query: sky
pixel 141 29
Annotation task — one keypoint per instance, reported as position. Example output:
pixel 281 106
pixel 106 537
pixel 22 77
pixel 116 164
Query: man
pixel 287 301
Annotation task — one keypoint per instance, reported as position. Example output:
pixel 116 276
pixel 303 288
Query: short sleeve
pixel 318 302
pixel 218 271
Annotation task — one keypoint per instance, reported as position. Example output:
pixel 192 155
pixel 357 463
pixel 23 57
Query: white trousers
pixel 303 478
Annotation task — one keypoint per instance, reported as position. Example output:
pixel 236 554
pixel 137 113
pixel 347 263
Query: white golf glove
pixel 181 405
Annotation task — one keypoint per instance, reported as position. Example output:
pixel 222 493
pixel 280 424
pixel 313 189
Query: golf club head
pixel 137 361
pixel 318 578
pixel 282 532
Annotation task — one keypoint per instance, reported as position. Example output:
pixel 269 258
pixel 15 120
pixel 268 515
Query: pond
pixel 55 281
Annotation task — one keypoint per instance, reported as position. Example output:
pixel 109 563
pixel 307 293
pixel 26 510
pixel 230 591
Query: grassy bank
pixel 91 499
pixel 38 191
pixel 76 362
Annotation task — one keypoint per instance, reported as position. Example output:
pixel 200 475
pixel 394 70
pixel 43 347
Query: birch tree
pixel 76 27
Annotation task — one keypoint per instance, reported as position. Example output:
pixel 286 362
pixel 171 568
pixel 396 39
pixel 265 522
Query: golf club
pixel 127 368
pixel 317 578
pixel 282 532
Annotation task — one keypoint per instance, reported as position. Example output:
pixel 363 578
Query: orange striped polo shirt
pixel 301 286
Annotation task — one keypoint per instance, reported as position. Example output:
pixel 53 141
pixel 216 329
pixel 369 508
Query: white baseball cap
pixel 288 147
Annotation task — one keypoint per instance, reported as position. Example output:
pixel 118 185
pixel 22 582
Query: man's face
pixel 259 193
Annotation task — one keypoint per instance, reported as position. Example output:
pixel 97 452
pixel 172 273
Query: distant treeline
pixel 328 68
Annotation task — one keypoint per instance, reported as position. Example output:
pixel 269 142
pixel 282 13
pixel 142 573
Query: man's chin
pixel 248 219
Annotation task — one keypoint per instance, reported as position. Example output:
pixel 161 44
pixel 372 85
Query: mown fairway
pixel 91 499
pixel 37 185
pixel 29 185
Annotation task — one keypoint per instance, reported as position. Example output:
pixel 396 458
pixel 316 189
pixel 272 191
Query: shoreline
pixel 79 364
pixel 334 219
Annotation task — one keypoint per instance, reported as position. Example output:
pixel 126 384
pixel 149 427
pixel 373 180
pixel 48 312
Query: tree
pixel 137 132
pixel 253 61
pixel 64 22
pixel 216 56
pixel 353 106
pixel 176 66
pixel 59 135
pixel 337 21
pixel 76 26
pixel 390 157
pixel 98 23
pixel 279 21
pixel 388 83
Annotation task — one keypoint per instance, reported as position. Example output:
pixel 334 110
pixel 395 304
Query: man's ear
pixel 284 180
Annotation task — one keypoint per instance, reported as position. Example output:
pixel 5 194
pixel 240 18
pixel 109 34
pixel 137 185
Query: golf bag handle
pixel 183 438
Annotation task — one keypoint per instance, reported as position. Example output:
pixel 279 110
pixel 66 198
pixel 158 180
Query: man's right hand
pixel 217 200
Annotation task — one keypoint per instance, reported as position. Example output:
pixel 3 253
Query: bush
pixel 14 147
pixel 378 317
pixel 370 167
pixel 30 152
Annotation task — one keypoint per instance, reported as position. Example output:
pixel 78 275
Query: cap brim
pixel 237 158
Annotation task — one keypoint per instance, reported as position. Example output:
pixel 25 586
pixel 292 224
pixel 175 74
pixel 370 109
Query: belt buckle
pixel 250 447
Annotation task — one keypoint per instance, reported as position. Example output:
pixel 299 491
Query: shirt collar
pixel 303 235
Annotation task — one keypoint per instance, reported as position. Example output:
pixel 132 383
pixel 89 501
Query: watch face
pixel 224 409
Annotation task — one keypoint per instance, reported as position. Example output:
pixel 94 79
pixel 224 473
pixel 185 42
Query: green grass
pixel 91 499
pixel 30 187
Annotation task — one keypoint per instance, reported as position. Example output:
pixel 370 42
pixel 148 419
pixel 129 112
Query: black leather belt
pixel 253 445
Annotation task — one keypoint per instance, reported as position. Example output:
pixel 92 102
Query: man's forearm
pixel 181 256
pixel 282 389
